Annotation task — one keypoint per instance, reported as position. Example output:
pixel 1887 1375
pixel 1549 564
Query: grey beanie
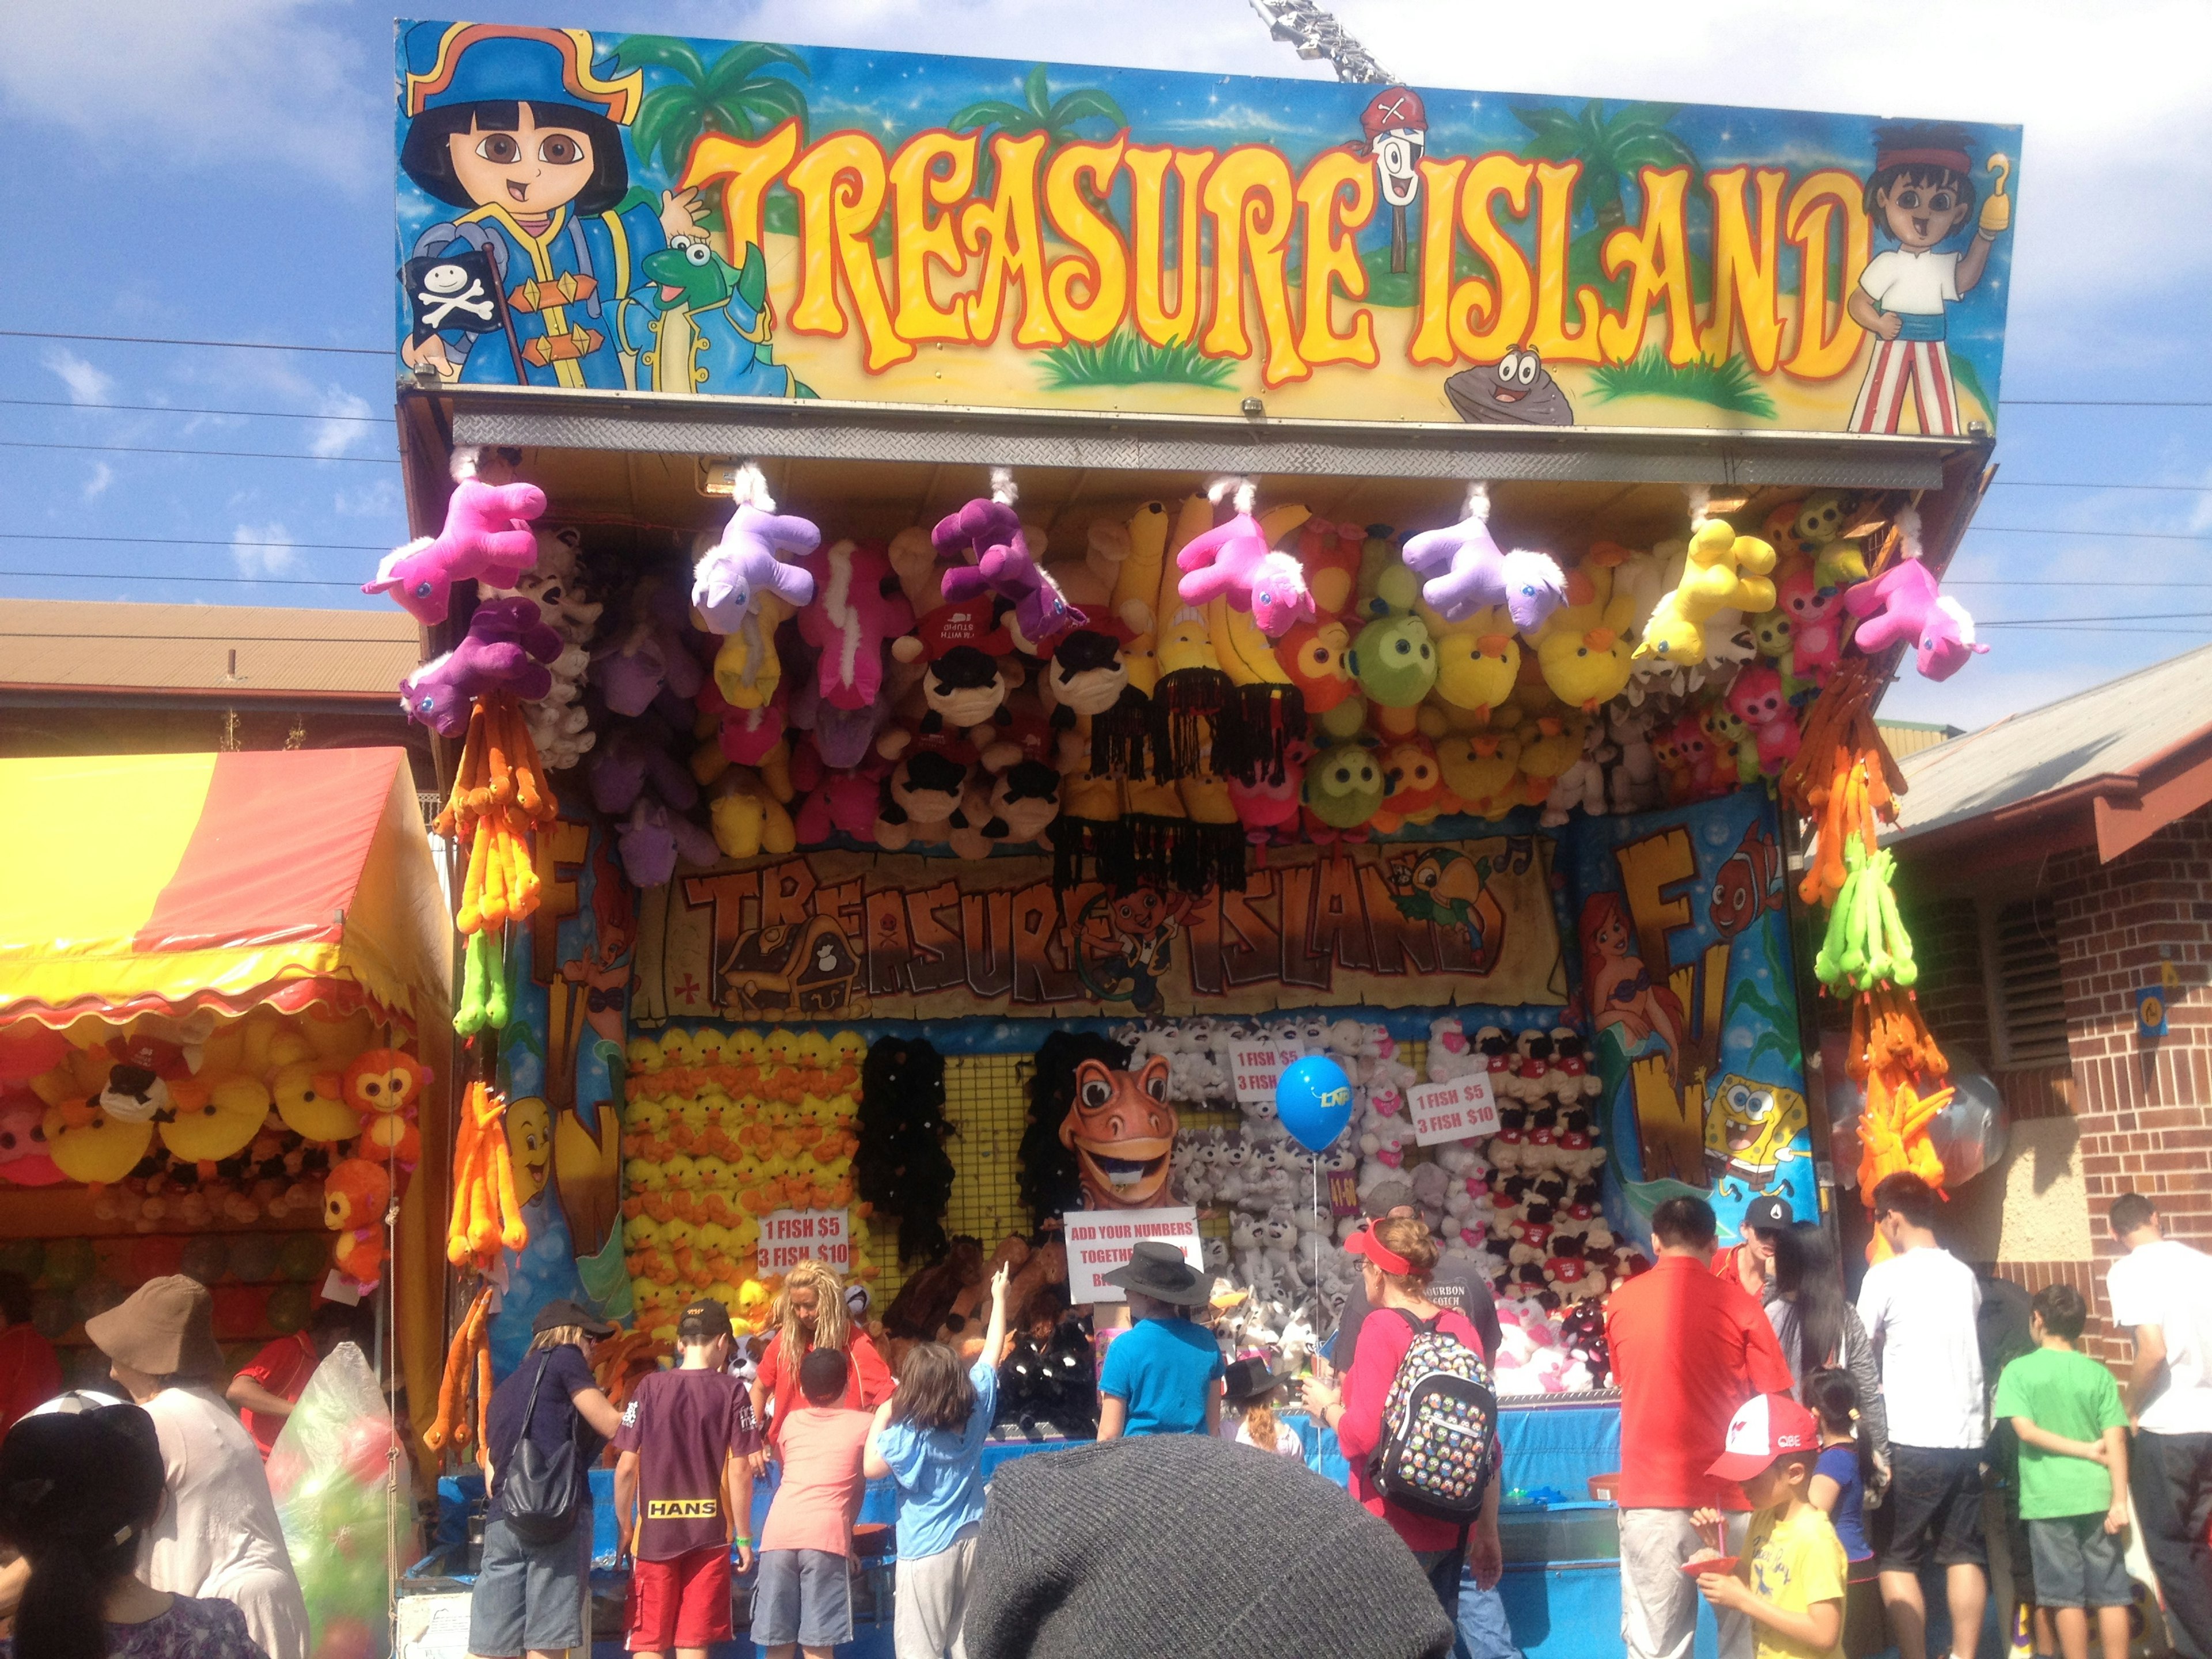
pixel 1182 1546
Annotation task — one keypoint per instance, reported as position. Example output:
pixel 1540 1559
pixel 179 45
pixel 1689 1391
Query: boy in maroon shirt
pixel 684 1491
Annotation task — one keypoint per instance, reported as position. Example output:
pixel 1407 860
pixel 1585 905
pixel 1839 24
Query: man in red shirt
pixel 1688 1348
pixel 29 1374
pixel 1751 1264
pixel 270 1384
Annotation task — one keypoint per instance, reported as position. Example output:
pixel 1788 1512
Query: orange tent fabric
pixel 166 882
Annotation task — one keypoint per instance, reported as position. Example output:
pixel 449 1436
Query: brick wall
pixel 2144 1107
pixel 1946 944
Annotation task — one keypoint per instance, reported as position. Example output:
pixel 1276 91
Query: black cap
pixel 1248 1379
pixel 703 1320
pixel 555 1315
pixel 1770 1212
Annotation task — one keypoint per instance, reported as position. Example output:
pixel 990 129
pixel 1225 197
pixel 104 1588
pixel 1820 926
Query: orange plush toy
pixel 355 1195
pixel 384 1086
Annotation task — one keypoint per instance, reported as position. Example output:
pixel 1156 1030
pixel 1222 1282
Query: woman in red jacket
pixel 810 1314
pixel 1397 1256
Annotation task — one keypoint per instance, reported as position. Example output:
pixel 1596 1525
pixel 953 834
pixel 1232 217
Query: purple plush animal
pixel 1042 612
pixel 1468 572
pixel 635 763
pixel 506 649
pixel 983 524
pixel 1232 562
pixel 486 537
pixel 1906 602
pixel 653 653
pixel 731 575
pixel 651 839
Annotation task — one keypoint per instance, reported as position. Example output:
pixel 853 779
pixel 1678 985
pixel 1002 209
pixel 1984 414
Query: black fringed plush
pixel 1048 1178
pixel 1259 725
pixel 1190 709
pixel 901 1167
pixel 1120 736
pixel 1092 849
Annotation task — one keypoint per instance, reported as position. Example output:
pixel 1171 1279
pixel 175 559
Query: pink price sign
pixel 788 1237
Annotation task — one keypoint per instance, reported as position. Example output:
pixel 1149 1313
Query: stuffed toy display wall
pixel 774 686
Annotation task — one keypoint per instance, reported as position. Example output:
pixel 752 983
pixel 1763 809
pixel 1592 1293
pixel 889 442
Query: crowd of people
pixel 1796 1461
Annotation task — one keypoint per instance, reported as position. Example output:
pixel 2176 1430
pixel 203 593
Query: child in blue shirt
pixel 1163 1375
pixel 1839 1486
pixel 928 1437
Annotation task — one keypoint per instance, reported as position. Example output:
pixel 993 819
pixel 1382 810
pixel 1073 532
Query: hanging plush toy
pixel 1720 571
pixel 966 680
pixel 1396 665
pixel 1466 572
pixel 1233 561
pixel 744 562
pixel 1816 632
pixel 1585 648
pixel 1904 602
pixel 1312 655
pixel 1756 698
pixel 1343 792
pixel 1004 566
pixel 505 649
pixel 486 537
pixel 1087 678
pixel 355 1195
pixel 859 606
pixel 1330 553
pixel 386 1085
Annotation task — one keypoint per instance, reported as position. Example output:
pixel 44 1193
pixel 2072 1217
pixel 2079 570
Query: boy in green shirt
pixel 2073 1474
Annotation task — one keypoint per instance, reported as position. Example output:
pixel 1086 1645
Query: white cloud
pixel 378 499
pixel 263 549
pixel 339 436
pixel 86 384
pixel 269 83
pixel 102 476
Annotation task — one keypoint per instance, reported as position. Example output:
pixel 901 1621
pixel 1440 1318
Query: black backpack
pixel 537 1488
pixel 1439 1428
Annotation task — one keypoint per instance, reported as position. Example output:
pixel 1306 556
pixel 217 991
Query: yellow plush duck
pixel 1720 571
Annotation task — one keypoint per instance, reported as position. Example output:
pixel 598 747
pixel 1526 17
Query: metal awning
pixel 1257 446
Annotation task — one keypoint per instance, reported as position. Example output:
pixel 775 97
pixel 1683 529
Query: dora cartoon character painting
pixel 513 127
pixel 1920 194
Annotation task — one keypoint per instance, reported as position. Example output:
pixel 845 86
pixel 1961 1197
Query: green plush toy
pixel 1866 944
pixel 1393 661
pixel 1344 785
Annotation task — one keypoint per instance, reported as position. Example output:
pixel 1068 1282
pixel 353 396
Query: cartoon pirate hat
pixel 457 64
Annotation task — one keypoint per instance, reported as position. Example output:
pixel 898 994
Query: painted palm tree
pixel 1040 112
pixel 1612 149
pixel 734 94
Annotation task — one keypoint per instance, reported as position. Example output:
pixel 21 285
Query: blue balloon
pixel 1314 1099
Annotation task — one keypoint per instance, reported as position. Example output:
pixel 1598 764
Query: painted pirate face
pixel 529 171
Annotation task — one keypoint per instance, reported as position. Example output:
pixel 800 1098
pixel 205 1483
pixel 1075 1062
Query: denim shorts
pixel 804 1596
pixel 530 1595
pixel 2078 1564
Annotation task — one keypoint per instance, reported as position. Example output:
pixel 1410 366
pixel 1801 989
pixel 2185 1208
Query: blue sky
pixel 223 170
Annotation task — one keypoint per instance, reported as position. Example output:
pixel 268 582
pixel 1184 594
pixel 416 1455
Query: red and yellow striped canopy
pixel 138 884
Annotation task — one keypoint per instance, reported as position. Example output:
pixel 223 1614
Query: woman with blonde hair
pixel 810 1314
pixel 1396 1257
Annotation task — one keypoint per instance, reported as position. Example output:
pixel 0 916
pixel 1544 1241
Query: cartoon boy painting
pixel 1920 194
pixel 513 126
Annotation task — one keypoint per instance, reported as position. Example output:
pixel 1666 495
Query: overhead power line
pixel 230 346
pixel 193 541
pixel 171 577
pixel 178 409
pixel 219 639
pixel 227 454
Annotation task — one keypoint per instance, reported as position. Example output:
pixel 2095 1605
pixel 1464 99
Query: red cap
pixel 1765 1426
pixel 1363 1242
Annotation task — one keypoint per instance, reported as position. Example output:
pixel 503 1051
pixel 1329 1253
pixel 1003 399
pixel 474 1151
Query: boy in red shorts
pixel 684 1491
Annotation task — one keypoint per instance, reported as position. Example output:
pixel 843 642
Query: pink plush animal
pixel 1756 698
pixel 1906 602
pixel 1042 612
pixel 1232 562
pixel 486 537
pixel 505 649
pixel 1816 632
pixel 858 606
pixel 746 736
pixel 1269 812
pixel 833 800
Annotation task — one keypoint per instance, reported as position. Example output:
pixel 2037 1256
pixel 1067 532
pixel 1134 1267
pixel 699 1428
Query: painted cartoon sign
pixel 1687 970
pixel 843 935
pixel 561 1067
pixel 689 218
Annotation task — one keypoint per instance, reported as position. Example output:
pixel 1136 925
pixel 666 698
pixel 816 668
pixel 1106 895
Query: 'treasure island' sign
pixel 692 218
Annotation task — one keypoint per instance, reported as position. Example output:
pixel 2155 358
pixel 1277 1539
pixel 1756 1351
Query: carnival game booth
pixel 970 641
pixel 223 1012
